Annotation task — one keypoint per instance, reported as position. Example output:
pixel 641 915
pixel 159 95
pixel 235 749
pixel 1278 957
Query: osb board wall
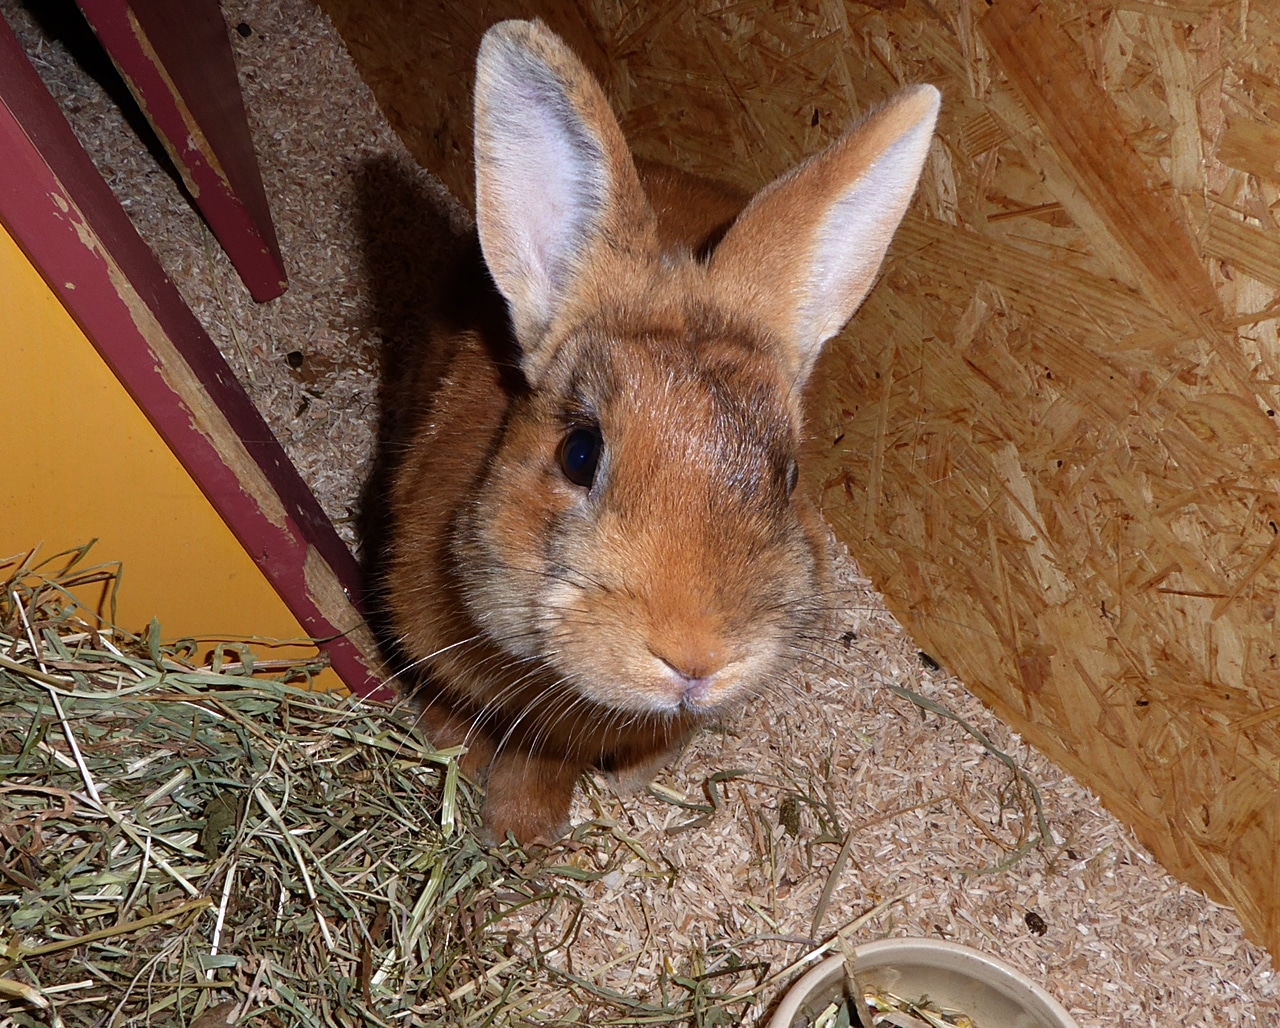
pixel 1050 434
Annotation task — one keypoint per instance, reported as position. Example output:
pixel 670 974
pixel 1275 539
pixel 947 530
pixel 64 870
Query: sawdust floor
pixel 849 794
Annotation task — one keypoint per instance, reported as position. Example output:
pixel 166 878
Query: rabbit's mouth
pixel 648 685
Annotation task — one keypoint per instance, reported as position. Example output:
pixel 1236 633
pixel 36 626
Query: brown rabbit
pixel 600 550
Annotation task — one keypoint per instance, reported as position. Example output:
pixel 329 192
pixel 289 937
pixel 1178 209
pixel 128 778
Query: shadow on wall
pixel 429 286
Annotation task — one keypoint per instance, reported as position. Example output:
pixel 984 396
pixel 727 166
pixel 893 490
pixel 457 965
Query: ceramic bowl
pixel 991 992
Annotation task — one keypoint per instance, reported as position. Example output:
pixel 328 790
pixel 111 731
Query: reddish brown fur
pixel 666 579
pixel 559 628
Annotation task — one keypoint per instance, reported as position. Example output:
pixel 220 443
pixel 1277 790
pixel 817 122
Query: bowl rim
pixel 953 956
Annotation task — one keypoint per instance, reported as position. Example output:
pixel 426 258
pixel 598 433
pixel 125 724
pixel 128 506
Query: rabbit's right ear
pixel 554 178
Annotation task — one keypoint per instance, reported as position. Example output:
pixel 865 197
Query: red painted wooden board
pixel 176 59
pixel 75 233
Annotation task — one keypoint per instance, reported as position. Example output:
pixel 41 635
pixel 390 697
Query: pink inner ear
pixel 541 179
pixel 851 240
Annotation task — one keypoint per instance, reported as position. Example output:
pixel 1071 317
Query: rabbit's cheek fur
pixel 503 542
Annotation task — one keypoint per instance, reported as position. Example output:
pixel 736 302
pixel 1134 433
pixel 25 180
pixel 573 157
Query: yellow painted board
pixel 83 462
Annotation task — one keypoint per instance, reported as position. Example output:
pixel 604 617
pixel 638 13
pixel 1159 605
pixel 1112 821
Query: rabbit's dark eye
pixel 579 455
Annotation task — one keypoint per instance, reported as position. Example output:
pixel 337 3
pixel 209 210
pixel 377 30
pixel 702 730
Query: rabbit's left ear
pixel 805 251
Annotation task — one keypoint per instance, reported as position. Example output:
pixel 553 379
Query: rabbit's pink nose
pixel 694 664
pixel 693 670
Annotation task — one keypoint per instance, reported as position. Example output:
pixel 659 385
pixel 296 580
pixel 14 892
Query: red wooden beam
pixel 176 60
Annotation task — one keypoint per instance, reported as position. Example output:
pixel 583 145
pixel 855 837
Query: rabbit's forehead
pixel 715 390
pixel 679 420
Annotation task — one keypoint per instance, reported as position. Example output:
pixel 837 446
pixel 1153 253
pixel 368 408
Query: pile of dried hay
pixel 190 837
